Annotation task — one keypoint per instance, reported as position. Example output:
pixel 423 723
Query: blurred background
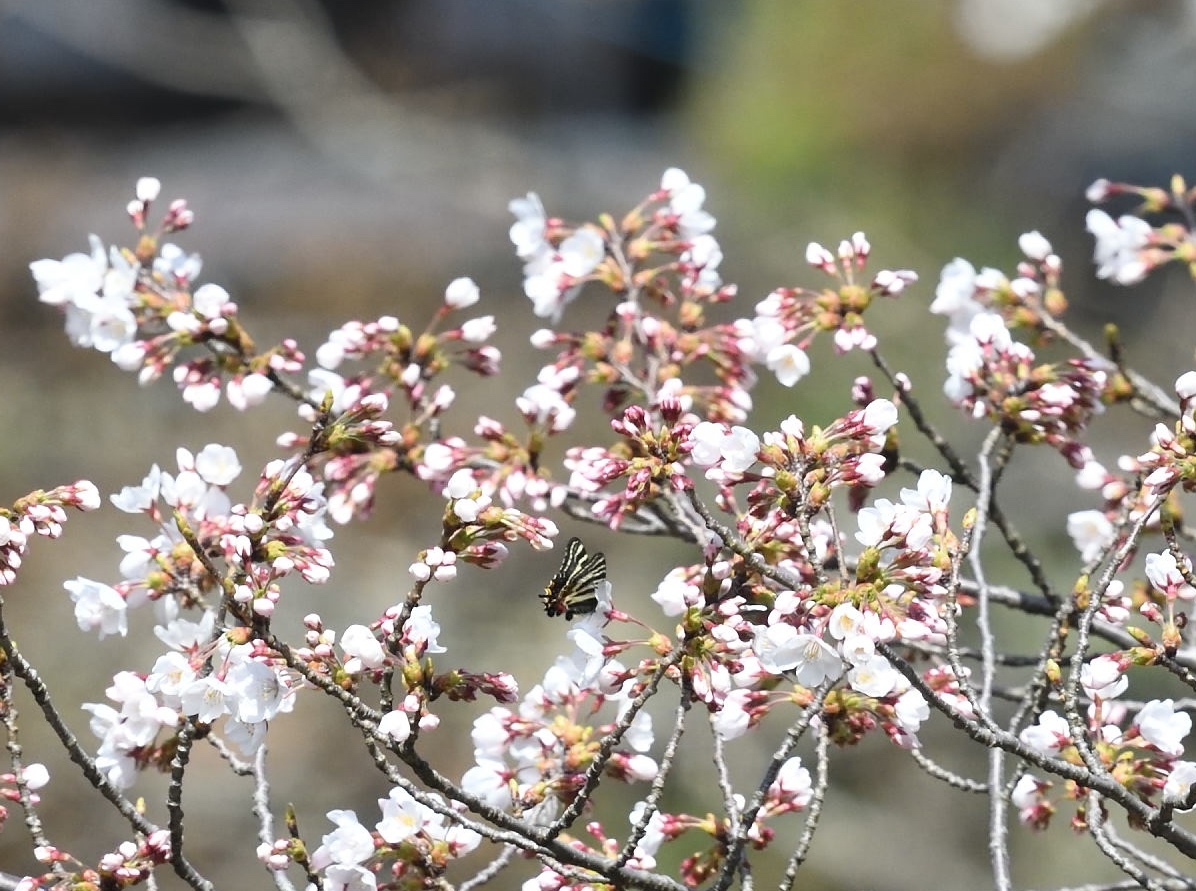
pixel 347 160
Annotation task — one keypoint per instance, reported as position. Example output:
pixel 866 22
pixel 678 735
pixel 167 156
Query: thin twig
pixel 723 775
pixel 32 820
pixel 998 839
pixel 737 844
pixel 813 810
pixel 1100 835
pixel 1071 690
pixel 491 870
pixel 1157 398
pixel 174 793
pixel 667 760
pixel 1156 863
pixel 265 819
pixel 753 558
pixel 952 779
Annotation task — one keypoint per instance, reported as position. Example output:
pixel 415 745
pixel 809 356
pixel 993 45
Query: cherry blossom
pixel 1163 727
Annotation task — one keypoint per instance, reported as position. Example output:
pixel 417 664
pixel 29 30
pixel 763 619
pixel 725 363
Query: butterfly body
pixel 573 590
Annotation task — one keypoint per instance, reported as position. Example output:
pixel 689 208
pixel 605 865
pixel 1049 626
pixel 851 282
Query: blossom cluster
pixel 412 841
pixel 783 608
pixel 39 513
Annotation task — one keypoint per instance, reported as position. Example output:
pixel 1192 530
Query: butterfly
pixel 573 591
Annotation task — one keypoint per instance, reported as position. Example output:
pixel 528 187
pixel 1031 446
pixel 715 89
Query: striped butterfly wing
pixel 573 591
